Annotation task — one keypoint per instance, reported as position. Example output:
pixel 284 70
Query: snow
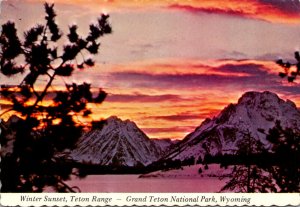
pixel 117 143
pixel 133 184
pixel 254 110
pixel 191 172
pixel 164 144
pixel 122 143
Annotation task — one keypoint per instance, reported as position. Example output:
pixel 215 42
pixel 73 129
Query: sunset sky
pixel 169 64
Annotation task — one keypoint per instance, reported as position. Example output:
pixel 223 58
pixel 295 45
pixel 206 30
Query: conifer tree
pixel 248 176
pixel 286 148
pixel 286 142
pixel 45 129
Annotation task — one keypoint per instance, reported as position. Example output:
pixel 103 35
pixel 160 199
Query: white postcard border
pixel 153 199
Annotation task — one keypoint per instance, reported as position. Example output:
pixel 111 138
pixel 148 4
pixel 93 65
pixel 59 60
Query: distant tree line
pixel 254 168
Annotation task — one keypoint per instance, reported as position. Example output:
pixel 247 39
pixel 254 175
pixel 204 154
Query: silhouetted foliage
pixel 188 161
pixel 44 130
pixel 199 160
pixel 249 179
pixel 291 70
pixel 206 167
pixel 286 142
pixel 208 158
pixel 248 176
pixel 286 146
pixel 200 170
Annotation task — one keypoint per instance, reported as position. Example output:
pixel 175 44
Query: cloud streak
pixel 144 98
pixel 198 75
pixel 185 116
pixel 267 10
pixel 169 65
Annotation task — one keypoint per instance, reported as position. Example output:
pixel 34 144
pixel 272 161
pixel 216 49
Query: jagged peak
pixel 113 118
pixel 117 143
pixel 117 119
pixel 252 96
pixel 258 98
pixel 258 101
pixel 253 111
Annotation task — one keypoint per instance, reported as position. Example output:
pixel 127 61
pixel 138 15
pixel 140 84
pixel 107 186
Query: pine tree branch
pixel 35 92
pixel 41 97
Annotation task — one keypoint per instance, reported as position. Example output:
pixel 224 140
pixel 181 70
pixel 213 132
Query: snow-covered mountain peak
pixel 254 113
pixel 260 108
pixel 115 121
pixel 266 101
pixel 117 143
pixel 254 96
pixel 263 100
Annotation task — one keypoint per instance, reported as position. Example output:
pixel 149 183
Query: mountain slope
pixel 118 143
pixel 164 144
pixel 255 112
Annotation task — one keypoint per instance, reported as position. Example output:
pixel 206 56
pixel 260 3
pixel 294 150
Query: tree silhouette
pixel 45 129
pixel 249 177
pixel 286 142
pixel 286 146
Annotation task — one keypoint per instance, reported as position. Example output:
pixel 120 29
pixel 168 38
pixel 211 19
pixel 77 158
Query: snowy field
pixel 213 170
pixel 133 184
pixel 187 180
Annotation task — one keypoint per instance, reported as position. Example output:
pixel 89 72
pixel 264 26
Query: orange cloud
pixel 272 10
pixel 158 104
pixel 194 66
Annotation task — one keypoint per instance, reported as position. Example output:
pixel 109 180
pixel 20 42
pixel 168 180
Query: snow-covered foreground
pixel 187 180
pixel 133 184
pixel 213 170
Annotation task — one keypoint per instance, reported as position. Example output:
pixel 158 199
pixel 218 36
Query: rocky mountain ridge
pixel 118 143
pixel 254 113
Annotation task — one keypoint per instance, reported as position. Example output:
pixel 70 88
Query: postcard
pixel 150 102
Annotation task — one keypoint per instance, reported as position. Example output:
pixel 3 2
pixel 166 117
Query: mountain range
pixel 254 113
pixel 123 143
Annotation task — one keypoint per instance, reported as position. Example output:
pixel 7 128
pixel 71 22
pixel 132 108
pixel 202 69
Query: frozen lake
pixel 131 183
